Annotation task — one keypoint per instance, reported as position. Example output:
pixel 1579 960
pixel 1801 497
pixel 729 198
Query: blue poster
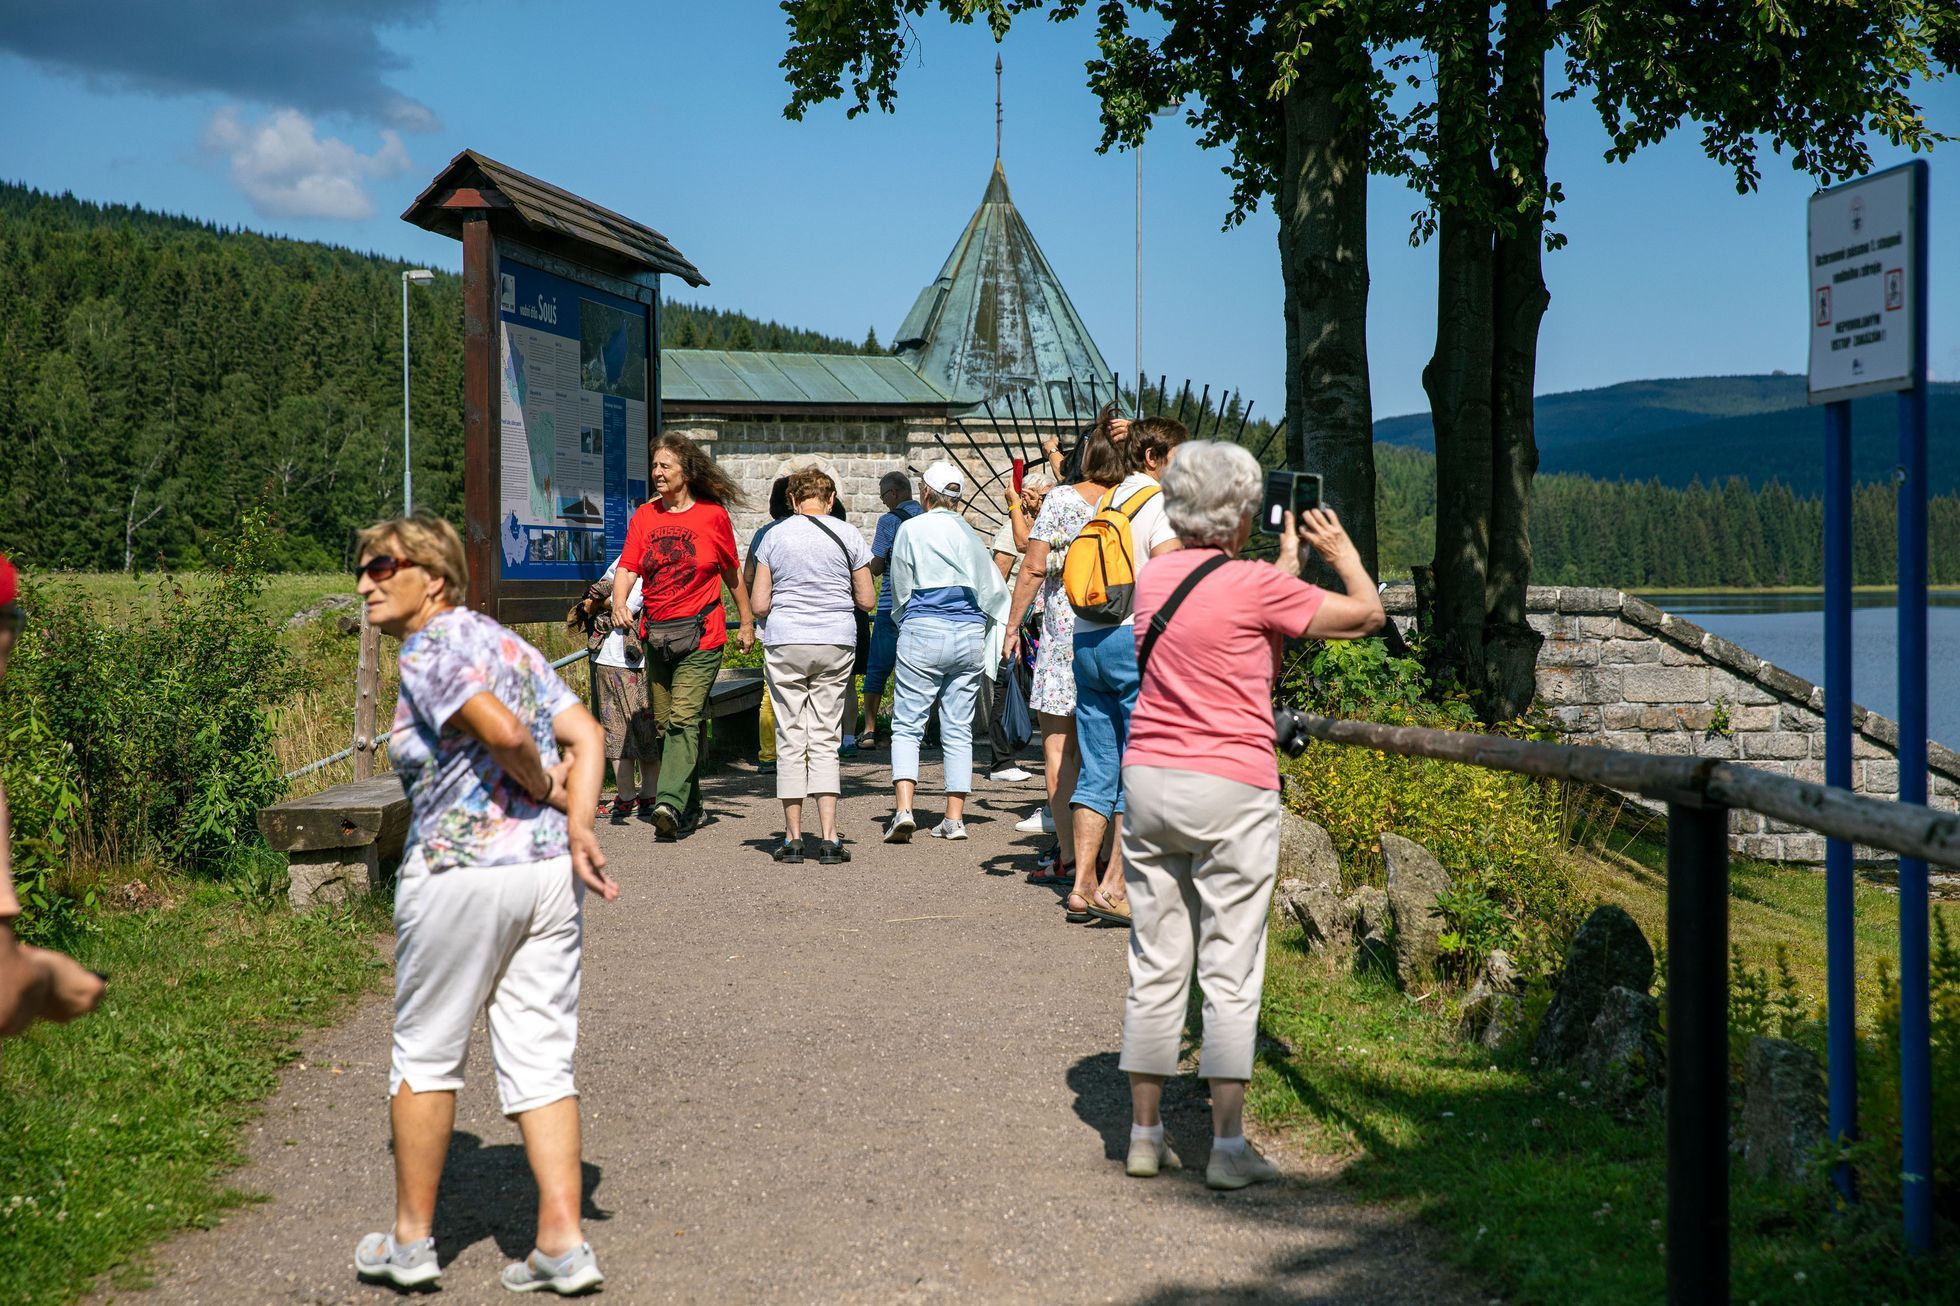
pixel 573 451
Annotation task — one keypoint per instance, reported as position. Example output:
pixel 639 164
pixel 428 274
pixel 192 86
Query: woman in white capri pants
pixel 1201 844
pixel 502 766
pixel 811 570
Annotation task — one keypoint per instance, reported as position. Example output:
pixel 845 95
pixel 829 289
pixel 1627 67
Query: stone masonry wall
pixel 755 450
pixel 1617 671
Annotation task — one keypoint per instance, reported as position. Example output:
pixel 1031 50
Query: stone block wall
pixel 1617 671
pixel 756 449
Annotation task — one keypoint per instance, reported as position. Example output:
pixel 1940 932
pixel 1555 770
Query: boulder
pixel 1415 881
pixel 1783 1112
pixel 1608 952
pixel 1490 1010
pixel 1622 1052
pixel 1306 852
pixel 1368 925
pixel 1309 888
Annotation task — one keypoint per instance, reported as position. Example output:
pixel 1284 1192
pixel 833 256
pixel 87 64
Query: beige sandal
pixel 1114 911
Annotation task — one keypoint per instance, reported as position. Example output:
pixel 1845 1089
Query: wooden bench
pixel 338 838
pixel 735 712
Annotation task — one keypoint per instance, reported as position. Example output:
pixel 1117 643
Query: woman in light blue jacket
pixel 951 607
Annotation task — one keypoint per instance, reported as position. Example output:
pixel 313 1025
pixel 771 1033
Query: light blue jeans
pixel 937 659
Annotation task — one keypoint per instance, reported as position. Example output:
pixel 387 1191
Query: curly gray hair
pixel 1210 489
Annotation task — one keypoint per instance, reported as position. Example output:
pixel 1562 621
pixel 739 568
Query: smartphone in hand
pixel 1293 492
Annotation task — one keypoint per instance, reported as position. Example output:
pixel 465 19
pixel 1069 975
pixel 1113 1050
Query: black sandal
pixel 788 852
pixel 833 853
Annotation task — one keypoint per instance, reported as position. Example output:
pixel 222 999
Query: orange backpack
pixel 1099 573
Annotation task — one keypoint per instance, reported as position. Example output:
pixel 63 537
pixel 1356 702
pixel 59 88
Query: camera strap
pixel 1162 616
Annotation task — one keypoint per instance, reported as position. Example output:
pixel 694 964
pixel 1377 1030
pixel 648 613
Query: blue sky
pixel 323 121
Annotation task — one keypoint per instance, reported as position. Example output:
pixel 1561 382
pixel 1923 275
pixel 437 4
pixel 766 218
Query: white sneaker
pixel 1038 822
pixel 948 829
pixel 1238 1168
pixel 1147 1158
pixel 575 1272
pixel 380 1258
pixel 899 828
pixel 1012 775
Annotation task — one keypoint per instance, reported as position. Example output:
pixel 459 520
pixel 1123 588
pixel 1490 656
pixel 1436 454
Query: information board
pixel 572 458
pixel 1862 282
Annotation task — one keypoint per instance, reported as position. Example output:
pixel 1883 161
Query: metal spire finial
pixel 996 108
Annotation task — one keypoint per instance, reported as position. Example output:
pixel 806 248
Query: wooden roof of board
pixel 713 377
pixel 554 219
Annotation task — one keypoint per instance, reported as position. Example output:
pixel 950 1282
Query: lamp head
pixel 420 276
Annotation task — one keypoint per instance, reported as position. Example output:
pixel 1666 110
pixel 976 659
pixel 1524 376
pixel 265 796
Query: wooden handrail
pixel 1903 828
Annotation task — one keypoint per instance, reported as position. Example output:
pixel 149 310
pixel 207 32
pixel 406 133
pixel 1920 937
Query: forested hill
pixel 159 375
pixel 1712 428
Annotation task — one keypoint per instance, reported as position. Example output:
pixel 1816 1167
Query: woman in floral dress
pixel 1063 514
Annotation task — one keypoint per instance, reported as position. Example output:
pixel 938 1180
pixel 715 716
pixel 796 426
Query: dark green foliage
pixel 159 376
pixel 162 716
pixel 1711 428
pixel 1645 535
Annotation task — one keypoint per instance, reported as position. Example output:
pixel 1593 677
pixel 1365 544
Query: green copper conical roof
pixel 996 320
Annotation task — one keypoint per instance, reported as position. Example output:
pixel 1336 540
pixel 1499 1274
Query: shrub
pixel 1876 1155
pixel 166 719
pixel 1500 835
pixel 43 805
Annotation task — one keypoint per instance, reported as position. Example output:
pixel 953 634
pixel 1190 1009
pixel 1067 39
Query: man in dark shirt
pixel 895 491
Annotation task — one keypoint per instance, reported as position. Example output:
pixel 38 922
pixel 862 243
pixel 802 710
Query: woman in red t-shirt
pixel 682 547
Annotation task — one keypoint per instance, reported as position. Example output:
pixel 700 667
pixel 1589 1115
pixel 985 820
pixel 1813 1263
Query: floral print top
pixel 463 809
pixel 1063 515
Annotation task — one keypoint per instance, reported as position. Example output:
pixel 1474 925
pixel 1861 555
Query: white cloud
pixel 288 171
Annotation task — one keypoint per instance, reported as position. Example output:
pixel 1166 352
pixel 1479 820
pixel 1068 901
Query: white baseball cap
pixel 946 480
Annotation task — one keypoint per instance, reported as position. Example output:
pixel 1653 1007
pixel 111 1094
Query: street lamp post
pixel 421 277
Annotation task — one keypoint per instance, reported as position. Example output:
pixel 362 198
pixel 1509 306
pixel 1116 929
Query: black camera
pixel 1290 731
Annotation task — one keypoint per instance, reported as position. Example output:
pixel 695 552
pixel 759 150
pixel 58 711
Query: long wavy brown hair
pixel 706 481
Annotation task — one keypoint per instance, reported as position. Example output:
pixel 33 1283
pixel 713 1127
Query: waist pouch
pixel 677 637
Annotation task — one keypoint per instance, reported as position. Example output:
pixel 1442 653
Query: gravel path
pixel 891 1081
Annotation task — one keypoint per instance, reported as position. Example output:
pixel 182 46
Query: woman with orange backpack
pixel 1099 577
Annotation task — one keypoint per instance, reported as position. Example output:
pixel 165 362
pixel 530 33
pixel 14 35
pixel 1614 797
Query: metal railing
pixel 358 744
pixel 1699 794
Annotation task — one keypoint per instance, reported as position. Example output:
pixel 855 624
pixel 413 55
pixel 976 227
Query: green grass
pixel 1542 1193
pixel 285 593
pixel 119 1129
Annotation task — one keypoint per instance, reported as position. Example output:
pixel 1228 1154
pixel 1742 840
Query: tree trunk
pixel 1519 302
pixel 1458 377
pixel 1323 247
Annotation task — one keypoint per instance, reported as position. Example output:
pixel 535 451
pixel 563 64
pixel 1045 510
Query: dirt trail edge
pixel 889 1081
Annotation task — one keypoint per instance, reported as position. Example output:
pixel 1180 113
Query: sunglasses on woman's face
pixel 383 568
pixel 13 619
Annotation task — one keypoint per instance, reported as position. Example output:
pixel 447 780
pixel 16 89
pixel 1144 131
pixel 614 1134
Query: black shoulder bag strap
pixel 834 538
pixel 1162 617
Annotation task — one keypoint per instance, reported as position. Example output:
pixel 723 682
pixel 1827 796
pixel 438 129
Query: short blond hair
pixel 811 483
pixel 426 540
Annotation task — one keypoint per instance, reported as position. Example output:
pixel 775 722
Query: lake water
pixel 1788 629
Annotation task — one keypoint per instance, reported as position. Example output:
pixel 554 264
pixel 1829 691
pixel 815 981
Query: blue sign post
pixel 1867 275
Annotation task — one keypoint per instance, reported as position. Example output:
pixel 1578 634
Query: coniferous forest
pixel 159 376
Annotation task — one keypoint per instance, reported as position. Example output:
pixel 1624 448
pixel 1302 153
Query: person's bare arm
pixel 1034 568
pixel 35 983
pixel 877 565
pixel 583 741
pixel 1351 615
pixel 745 635
pixel 863 592
pixel 1168 546
pixel 485 719
pixel 1004 563
pixel 762 589
pixel 622 587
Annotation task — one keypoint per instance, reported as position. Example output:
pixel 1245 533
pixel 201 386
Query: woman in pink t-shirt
pixel 1201 786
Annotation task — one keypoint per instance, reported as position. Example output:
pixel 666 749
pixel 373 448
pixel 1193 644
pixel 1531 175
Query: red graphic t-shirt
pixel 680 557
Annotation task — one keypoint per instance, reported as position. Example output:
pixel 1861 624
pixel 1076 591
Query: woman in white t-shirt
pixel 811 571
pixel 632 744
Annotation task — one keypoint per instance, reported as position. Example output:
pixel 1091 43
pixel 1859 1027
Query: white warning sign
pixel 1861 277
